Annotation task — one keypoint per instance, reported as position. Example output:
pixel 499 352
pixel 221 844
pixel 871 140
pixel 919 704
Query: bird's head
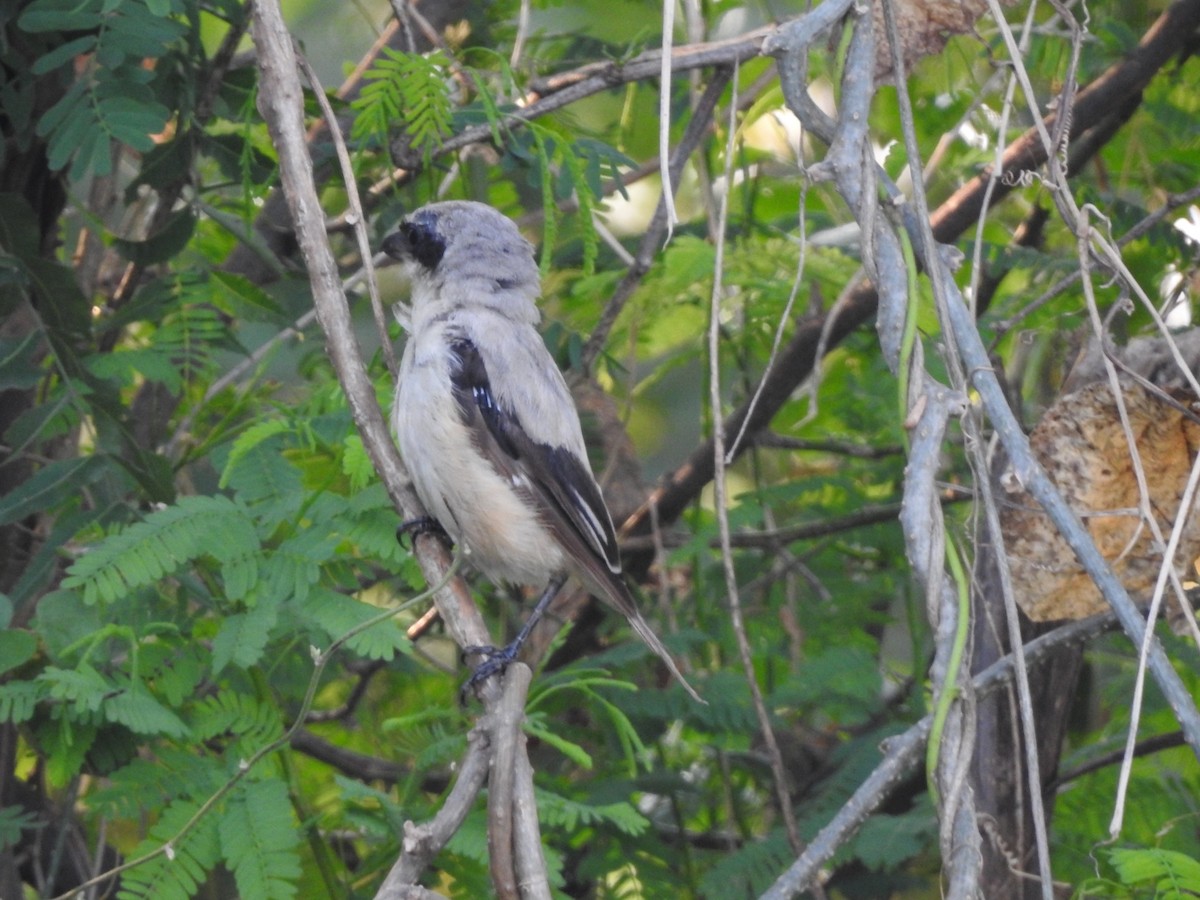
pixel 463 253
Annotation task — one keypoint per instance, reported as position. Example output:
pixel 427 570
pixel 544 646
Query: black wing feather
pixel 558 484
pixel 558 476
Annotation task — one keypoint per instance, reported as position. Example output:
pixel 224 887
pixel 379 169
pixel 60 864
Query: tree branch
pixel 903 753
pixel 423 842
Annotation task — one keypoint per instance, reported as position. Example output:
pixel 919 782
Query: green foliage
pixel 750 869
pixel 181 864
pixel 116 100
pixel 163 542
pixel 259 840
pixel 407 92
pixel 1145 872
pixel 193 518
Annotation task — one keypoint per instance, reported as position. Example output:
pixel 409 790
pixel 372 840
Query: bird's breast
pixel 483 510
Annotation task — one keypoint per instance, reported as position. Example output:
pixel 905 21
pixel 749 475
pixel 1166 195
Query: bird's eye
pixel 423 242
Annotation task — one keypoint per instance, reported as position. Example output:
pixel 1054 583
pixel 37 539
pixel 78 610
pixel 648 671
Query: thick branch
pixel 281 102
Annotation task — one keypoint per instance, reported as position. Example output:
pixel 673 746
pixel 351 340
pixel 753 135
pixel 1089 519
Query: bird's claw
pixel 495 661
pixel 422 525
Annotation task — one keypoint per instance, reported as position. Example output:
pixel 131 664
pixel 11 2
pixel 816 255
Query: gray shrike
pixel 486 423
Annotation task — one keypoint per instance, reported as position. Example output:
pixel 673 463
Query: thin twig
pixel 356 217
pixel 782 793
pixel 651 241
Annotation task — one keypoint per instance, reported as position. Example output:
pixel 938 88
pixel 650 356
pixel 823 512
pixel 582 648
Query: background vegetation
pixel 191 517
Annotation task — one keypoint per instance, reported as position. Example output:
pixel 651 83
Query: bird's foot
pixel 495 661
pixel 412 528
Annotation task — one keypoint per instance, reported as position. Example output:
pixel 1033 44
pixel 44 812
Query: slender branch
pixel 360 766
pixel 282 104
pixel 769 538
pixel 903 753
pixel 774 441
pixel 1144 747
pixel 721 494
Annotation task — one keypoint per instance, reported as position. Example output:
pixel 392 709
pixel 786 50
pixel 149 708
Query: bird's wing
pixel 555 478
pixel 556 482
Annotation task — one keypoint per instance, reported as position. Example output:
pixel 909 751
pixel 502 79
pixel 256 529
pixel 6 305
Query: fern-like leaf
pixel 162 543
pixel 750 870
pixel 176 874
pixel 234 714
pixel 113 100
pixel 562 812
pixel 84 688
pixel 335 614
pixel 259 838
pixel 250 439
pixel 243 636
pixel 18 699
pixel 1174 875
pixel 139 712
pixel 151 783
pixel 409 92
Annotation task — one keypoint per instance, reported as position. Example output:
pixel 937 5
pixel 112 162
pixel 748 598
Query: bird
pixel 486 424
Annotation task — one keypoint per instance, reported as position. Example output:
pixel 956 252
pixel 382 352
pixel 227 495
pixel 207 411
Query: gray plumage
pixel 484 419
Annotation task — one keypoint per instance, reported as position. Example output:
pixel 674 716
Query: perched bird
pixel 485 421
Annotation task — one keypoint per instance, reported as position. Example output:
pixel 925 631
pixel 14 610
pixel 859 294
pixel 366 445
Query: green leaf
pixel 230 713
pixel 160 544
pixel 408 92
pixel 62 620
pixel 60 15
pixel 167 243
pixel 243 636
pixel 259 840
pixel 62 54
pixel 885 842
pixel 14 820
pixel 18 362
pixel 569 749
pixel 139 712
pixel 249 296
pixel 336 614
pixel 1175 875
pixel 249 440
pixel 177 874
pixel 571 815
pixel 84 688
pixel 749 870
pixel 16 648
pixel 52 485
pixel 19 699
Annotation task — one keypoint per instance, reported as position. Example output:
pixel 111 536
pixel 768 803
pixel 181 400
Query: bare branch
pixel 282 105
pixel 423 842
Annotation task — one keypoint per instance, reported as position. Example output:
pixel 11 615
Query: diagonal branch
pixel 903 753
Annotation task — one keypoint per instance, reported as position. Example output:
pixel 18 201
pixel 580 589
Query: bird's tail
pixel 618 596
